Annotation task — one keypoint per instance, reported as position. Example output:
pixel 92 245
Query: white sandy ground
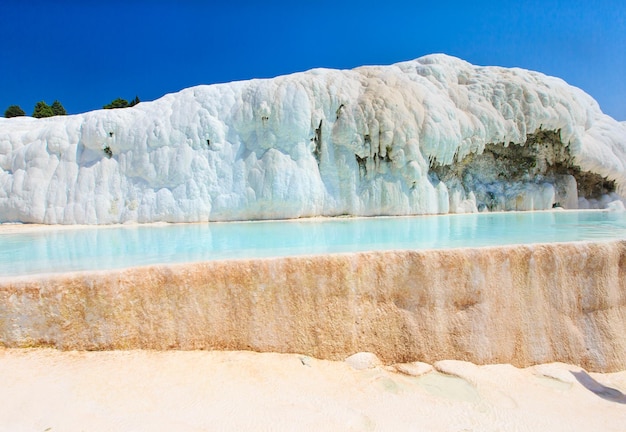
pixel 49 390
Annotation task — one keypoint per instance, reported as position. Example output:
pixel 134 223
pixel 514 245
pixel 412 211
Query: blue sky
pixel 87 53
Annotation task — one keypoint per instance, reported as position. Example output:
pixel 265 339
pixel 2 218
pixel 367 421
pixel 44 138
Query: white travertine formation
pixel 161 391
pixel 322 142
pixel 522 305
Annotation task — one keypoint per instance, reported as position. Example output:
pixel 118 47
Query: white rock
pixel 363 360
pixel 413 369
pixel 322 142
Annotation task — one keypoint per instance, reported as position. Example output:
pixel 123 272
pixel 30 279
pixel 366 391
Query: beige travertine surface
pixel 522 305
pixel 49 390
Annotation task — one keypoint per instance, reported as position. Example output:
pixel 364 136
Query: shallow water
pixel 25 252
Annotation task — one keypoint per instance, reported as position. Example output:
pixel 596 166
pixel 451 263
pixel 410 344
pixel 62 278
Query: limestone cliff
pixel 519 304
pixel 433 135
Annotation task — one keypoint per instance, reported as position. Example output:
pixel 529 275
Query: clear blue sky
pixel 87 53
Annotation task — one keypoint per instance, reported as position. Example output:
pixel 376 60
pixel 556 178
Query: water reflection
pixel 57 250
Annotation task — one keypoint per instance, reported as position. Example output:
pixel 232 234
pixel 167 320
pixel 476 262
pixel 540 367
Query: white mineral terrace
pixel 522 305
pixel 432 135
pixel 49 390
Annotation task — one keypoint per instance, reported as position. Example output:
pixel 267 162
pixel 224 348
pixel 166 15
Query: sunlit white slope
pixel 322 142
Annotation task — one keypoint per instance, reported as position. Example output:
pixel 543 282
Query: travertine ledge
pixel 519 304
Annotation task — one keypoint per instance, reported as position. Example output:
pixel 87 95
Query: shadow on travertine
pixel 601 390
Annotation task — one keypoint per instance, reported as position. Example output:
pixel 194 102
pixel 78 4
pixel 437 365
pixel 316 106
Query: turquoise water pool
pixel 72 249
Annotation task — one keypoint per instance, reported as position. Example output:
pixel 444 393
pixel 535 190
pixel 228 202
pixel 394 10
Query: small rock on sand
pixel 413 369
pixel 363 360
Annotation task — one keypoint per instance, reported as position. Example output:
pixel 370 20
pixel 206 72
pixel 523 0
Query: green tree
pixel 42 109
pixel 134 101
pixel 14 111
pixel 117 103
pixel 57 108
